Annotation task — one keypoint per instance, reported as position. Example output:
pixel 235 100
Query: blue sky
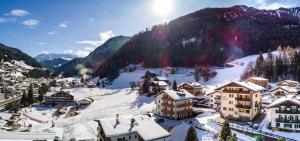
pixel 79 26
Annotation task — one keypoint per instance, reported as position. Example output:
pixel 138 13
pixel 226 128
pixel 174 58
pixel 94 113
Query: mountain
pixel 208 37
pixel 95 58
pixel 54 63
pixel 9 53
pixel 51 56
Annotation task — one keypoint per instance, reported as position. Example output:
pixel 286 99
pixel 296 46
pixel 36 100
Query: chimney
pixel 117 119
pixel 132 122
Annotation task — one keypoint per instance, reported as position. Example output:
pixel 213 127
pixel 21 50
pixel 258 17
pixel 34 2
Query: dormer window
pixel 282 108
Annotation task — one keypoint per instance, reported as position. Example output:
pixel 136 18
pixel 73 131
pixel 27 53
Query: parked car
pixel 255 126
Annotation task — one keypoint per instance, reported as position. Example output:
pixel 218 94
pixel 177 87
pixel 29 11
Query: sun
pixel 163 7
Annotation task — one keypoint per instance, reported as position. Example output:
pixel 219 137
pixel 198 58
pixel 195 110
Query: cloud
pixel 45 52
pixel 41 43
pixel 7 20
pixel 64 24
pixel 272 4
pixel 104 36
pixel 31 23
pixel 18 12
pixel 53 32
pixel 80 53
pixel 91 19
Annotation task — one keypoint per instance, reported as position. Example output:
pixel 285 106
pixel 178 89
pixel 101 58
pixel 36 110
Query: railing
pixel 243 99
pixel 287 120
pixel 243 106
pixel 288 111
pixel 166 104
pixel 236 91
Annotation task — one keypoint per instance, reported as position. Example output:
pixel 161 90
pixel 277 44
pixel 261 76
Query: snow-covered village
pixel 172 70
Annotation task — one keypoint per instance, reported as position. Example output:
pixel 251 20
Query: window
pixel 282 108
pixel 277 124
pixel 294 109
pixel 224 108
pixel 247 111
pixel 230 102
pixel 230 109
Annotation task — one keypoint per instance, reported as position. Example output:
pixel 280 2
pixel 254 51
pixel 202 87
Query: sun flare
pixel 163 7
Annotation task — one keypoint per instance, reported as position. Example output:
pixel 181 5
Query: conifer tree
pixel 259 65
pixel 232 138
pixel 30 95
pixel 24 98
pixel 174 86
pixel 191 135
pixel 225 131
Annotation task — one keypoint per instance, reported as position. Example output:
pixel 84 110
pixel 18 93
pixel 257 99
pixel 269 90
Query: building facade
pixel 61 97
pixel 194 88
pixel 285 114
pixel 240 100
pixel 258 81
pixel 174 104
pixel 214 100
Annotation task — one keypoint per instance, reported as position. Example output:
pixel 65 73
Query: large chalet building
pixel 61 97
pixel 259 81
pixel 174 104
pixel 285 114
pixel 194 88
pixel 138 128
pixel 240 100
pixel 214 100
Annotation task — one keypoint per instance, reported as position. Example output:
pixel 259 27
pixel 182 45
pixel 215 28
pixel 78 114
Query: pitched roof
pixel 178 95
pixel 193 84
pixel 160 83
pixel 284 100
pixel 144 126
pixel 258 78
pixel 288 81
pixel 248 85
pixel 285 88
pixel 160 78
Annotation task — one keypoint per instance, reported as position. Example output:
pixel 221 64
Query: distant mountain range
pixel 208 37
pixel 51 56
pixel 9 53
pixel 94 59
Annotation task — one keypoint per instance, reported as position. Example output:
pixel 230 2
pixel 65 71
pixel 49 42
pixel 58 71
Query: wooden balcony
pixel 243 106
pixel 184 105
pixel 243 99
pixel 287 121
pixel 166 104
pixel 236 91
pixel 288 111
pixel 169 112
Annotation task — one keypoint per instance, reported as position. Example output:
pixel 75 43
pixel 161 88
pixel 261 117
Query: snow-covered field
pixel 107 103
pixel 119 99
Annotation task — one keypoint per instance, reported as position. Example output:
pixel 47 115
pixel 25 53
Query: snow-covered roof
pixel 178 95
pixel 282 100
pixel 178 133
pixel 160 83
pixel 25 136
pixel 288 81
pixel 193 84
pixel 161 78
pixel 285 88
pixel 259 78
pixel 248 85
pixel 143 125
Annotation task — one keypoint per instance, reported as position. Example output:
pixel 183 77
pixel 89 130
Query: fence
pixel 251 131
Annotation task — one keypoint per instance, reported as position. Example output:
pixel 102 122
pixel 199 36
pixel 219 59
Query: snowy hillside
pixel 186 74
